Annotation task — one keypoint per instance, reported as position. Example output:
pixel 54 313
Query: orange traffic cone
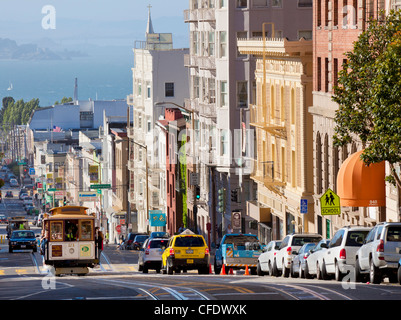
pixel 246 270
pixel 223 270
pixel 231 271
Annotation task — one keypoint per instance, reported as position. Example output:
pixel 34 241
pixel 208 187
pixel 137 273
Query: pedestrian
pixel 99 240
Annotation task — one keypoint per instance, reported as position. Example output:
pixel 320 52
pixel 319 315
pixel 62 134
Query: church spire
pixel 149 28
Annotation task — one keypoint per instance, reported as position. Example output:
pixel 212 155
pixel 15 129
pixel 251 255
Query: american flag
pixel 56 129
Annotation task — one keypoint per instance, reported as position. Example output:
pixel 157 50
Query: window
pixel 272 102
pixel 169 89
pixel 326 74
pixel 223 44
pixel 293 169
pixel 242 3
pixel 194 42
pixel 241 35
pixel 56 231
pixel 242 94
pixel 282 105
pixel 223 94
pixel 223 3
pixel 319 13
pixel 195 80
pixel 305 3
pixel 293 106
pixel 211 43
pixel 319 74
pixel 260 3
pixel 276 3
pixel 306 34
pixel 86 230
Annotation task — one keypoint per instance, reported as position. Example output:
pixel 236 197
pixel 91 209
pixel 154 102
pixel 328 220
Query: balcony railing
pixel 264 171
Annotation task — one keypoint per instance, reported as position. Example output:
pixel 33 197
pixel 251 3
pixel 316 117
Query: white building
pixel 159 78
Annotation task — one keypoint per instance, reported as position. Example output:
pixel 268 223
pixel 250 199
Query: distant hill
pixel 9 49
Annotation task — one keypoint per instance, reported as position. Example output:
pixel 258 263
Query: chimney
pixel 76 90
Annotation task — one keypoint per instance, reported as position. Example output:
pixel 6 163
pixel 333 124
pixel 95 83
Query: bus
pixel 70 244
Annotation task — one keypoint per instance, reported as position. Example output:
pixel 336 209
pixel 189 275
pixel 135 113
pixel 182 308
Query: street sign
pixel 304 206
pixel 330 203
pixel 87 196
pixel 52 189
pixel 100 186
pixel 194 179
pixel 31 171
pixel 157 218
pixel 118 228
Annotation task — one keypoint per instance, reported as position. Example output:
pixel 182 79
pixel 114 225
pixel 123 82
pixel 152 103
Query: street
pixel 23 277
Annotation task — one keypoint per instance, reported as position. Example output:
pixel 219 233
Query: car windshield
pixel 300 241
pixel 240 240
pixel 394 233
pixel 356 238
pixel 23 234
pixel 141 238
pixel 189 241
pixel 158 243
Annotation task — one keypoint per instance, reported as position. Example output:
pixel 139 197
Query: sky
pixel 30 10
pixel 85 20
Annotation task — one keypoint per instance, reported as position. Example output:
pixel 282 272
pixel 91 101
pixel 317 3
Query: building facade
pixel 222 89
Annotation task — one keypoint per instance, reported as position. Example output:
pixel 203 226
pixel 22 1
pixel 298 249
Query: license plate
pixel 189 251
pixel 23 246
pixel 190 260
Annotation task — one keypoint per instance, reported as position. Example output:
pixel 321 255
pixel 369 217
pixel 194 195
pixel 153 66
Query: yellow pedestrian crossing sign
pixel 330 203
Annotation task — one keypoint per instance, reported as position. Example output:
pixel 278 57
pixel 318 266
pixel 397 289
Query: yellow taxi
pixel 186 251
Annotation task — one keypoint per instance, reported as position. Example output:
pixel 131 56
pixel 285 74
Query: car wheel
pixel 325 275
pixel 374 273
pixel 300 271
pixel 259 271
pixel 276 272
pixel 140 267
pixel 318 271
pixel 399 275
pixel 270 268
pixel 217 269
pixel 338 275
pixel 169 268
pixel 292 273
pixel 145 269
pixel 306 272
pixel 286 271
pixel 359 277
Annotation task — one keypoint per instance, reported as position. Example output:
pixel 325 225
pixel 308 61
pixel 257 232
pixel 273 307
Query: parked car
pixel 22 240
pixel 314 262
pixel 380 253
pixel 265 260
pixel 288 248
pixel 159 234
pixel 9 194
pixel 129 241
pixel 23 195
pixel 138 241
pixel 298 262
pixel 150 255
pixel 186 251
pixel 339 258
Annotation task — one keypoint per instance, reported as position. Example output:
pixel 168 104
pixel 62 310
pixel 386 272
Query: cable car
pixel 71 242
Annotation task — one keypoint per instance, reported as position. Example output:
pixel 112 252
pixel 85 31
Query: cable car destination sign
pixel 330 203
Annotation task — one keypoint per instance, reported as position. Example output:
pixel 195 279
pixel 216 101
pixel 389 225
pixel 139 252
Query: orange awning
pixel 359 185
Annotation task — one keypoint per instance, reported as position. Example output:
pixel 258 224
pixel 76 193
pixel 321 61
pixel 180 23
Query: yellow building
pixel 283 168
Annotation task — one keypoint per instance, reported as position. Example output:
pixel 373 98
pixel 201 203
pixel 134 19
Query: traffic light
pixel 234 195
pixel 221 200
pixel 197 192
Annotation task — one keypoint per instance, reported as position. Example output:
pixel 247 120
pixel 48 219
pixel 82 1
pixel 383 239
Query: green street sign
pixel 52 189
pixel 100 186
pixel 330 203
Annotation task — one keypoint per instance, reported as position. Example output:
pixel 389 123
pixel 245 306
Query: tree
pixel 369 94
